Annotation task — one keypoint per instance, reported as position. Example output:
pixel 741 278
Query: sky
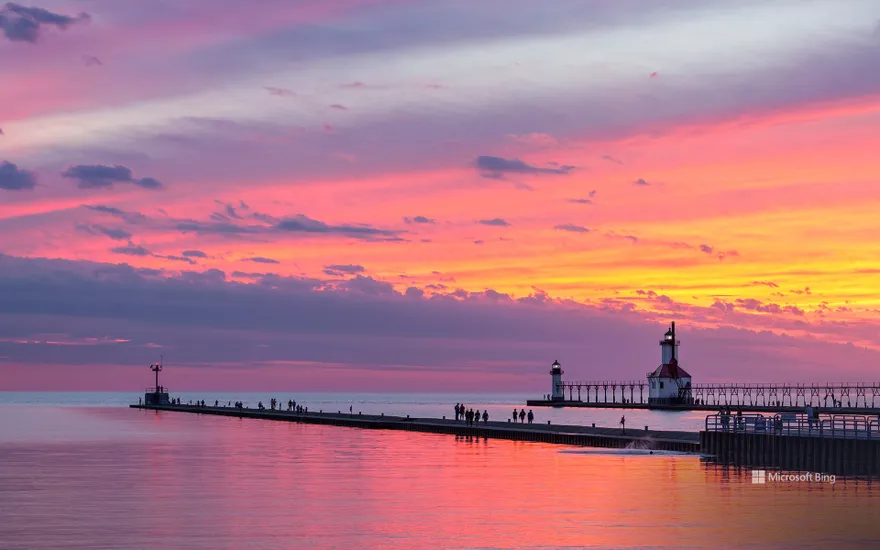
pixel 401 195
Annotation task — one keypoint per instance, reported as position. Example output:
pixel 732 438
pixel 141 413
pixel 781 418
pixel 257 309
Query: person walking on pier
pixel 522 416
pixel 485 416
pixel 623 424
pixel 457 412
pixel 477 416
pixel 725 419
pixel 514 415
pixel 531 416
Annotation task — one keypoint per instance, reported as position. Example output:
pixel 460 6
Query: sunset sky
pixel 447 195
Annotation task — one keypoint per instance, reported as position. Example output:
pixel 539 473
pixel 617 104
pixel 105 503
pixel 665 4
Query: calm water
pixel 113 477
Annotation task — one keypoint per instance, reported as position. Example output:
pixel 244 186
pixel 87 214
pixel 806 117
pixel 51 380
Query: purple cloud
pixel 497 167
pixel 261 260
pixel 571 228
pixel 94 176
pixel 495 222
pixel 12 178
pixel 339 270
pixel 24 24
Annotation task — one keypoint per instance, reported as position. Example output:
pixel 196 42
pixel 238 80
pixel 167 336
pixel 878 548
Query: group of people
pixel 275 405
pixel 470 416
pixel 522 415
pixel 725 418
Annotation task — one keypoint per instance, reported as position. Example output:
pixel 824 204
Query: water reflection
pixel 190 481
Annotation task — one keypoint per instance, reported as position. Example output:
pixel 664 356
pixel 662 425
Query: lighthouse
pixel 669 346
pixel 556 392
pixel 669 384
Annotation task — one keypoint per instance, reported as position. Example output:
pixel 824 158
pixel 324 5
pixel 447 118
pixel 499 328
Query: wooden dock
pixel 688 442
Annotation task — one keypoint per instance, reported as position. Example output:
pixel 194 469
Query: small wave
pixel 624 452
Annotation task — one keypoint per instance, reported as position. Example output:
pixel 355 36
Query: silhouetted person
pixel 522 416
pixel 623 424
pixel 485 416
pixel 457 412
pixel 477 416
pixel 531 416
pixel 514 415
pixel 216 402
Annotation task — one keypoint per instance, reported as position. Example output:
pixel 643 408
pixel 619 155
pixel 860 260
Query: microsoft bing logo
pixel 761 477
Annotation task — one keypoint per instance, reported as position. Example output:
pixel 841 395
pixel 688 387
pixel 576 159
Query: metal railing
pixel 154 389
pixel 837 425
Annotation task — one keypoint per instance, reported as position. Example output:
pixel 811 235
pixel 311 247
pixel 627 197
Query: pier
pixel 836 444
pixel 688 442
pixel 768 397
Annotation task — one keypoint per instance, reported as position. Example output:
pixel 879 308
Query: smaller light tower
pixel 556 372
pixel 157 395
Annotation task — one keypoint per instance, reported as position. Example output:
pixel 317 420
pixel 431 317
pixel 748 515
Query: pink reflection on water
pixel 190 481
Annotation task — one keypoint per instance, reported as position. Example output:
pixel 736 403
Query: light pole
pixel 157 368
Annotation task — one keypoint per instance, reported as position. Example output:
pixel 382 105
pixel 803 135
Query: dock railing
pixel 837 425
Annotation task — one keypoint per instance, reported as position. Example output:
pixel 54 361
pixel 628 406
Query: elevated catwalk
pixel 824 398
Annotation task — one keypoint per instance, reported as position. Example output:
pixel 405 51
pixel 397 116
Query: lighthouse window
pixel 661 385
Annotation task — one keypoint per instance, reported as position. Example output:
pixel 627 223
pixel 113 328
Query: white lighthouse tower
pixel 669 384
pixel 556 393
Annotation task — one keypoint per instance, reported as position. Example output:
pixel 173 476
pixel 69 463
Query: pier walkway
pixel 859 398
pixel 700 407
pixel 545 433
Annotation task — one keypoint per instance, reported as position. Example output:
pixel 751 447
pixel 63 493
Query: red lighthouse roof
pixel 670 370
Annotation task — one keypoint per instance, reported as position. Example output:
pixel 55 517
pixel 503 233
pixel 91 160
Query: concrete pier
pixel 842 444
pixel 544 433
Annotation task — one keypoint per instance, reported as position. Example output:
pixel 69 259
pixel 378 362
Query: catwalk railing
pixel 838 425
pixel 574 390
pixel 827 395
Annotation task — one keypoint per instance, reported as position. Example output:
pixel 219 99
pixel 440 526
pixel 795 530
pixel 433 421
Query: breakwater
pixel 839 444
pixel 542 433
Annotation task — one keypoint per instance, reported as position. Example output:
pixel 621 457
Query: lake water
pixel 74 475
